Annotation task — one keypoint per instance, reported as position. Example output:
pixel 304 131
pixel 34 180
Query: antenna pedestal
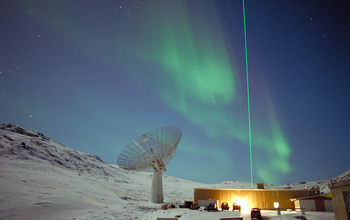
pixel 153 149
pixel 157 187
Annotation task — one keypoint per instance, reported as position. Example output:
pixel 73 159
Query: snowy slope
pixel 42 179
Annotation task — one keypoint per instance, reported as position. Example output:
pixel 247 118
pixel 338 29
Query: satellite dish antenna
pixel 151 151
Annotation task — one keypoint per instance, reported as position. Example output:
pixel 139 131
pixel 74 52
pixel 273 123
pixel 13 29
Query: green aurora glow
pixel 201 78
pixel 204 83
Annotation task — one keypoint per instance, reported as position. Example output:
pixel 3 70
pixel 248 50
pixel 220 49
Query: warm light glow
pixel 276 205
pixel 242 202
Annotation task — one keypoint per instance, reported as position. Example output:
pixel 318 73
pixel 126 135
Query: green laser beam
pixel 186 50
pixel 246 67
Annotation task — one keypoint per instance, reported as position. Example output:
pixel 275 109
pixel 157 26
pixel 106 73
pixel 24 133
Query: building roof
pixel 312 197
pixel 342 177
pixel 258 190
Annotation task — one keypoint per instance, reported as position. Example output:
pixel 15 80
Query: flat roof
pixel 260 189
pixel 311 197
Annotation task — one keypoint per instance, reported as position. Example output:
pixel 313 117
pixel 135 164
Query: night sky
pixel 94 75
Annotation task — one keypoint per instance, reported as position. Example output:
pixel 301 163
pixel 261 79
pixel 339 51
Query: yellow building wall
pixel 339 206
pixel 249 198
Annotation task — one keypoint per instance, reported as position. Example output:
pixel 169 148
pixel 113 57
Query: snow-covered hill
pixel 42 179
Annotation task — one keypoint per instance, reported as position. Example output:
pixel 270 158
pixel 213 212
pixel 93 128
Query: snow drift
pixel 43 179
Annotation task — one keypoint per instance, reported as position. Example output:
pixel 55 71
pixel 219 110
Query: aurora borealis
pixel 94 75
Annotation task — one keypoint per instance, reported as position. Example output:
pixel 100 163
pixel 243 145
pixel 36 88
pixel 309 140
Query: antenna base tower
pixel 157 187
pixel 151 151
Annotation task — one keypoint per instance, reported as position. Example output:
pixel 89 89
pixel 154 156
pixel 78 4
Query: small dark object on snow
pixel 194 206
pixel 300 217
pixel 212 207
pixel 225 206
pixel 255 213
pixel 188 204
pixel 167 206
pixel 235 206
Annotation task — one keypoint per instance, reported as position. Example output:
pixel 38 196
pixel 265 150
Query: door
pixel 347 203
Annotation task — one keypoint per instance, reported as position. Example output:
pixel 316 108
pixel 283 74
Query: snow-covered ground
pixel 42 179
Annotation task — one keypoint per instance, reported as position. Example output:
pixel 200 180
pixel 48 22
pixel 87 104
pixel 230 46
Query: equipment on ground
pixel 225 206
pixel 194 206
pixel 255 213
pixel 235 206
pixel 212 207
